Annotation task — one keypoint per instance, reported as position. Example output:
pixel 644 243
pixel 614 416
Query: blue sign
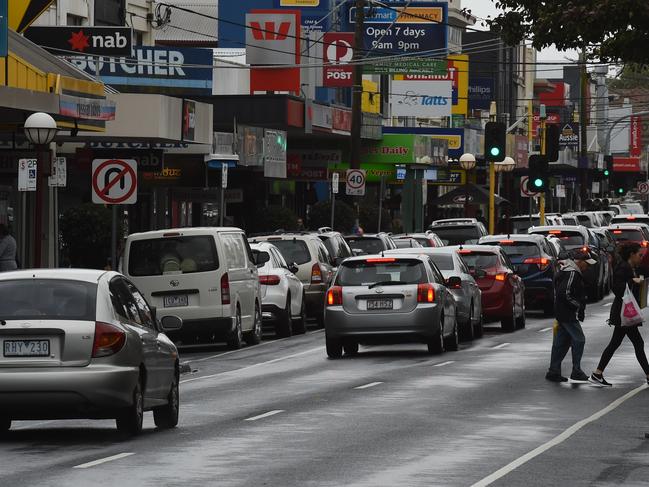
pixel 4 28
pixel 401 173
pixel 481 93
pixel 162 67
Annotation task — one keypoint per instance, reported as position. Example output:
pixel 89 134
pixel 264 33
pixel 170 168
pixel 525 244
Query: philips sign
pixel 426 99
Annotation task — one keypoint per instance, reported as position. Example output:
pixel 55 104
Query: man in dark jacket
pixel 570 304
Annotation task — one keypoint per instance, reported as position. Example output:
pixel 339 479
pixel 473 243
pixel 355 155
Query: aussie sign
pixel 569 136
pixel 99 41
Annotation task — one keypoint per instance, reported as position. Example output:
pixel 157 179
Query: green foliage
pixel 368 217
pixel 320 216
pixel 273 218
pixel 632 76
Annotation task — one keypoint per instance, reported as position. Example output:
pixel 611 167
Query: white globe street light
pixel 507 165
pixel 467 161
pixel 40 128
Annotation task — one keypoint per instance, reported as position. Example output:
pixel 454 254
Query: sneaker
pixel 578 377
pixel 553 377
pixel 600 381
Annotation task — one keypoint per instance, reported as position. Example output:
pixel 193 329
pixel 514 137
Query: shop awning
pixel 477 196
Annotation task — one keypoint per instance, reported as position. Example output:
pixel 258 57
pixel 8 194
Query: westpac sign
pixel 272 37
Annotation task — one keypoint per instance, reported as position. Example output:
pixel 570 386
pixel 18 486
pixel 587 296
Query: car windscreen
pixel 385 271
pixel 368 245
pixel 518 250
pixel 172 255
pixel 569 220
pixel 520 225
pixel 47 299
pixel 444 262
pixel 293 250
pixel 569 240
pixel 627 235
pixel 480 260
pixel 457 234
pixel 404 243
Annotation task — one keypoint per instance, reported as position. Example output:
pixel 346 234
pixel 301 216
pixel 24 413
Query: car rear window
pixel 424 242
pixel 519 249
pixel 405 243
pixel 630 219
pixel 627 235
pixel 385 271
pixel 480 260
pixel 443 262
pixel 172 255
pixel 569 240
pixel 368 245
pixel 585 221
pixel 293 251
pixel 457 235
pixel 520 225
pixel 47 299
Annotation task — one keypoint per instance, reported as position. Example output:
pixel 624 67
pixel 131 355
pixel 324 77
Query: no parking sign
pixel 114 181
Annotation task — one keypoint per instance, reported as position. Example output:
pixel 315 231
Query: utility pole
pixel 583 137
pixel 357 90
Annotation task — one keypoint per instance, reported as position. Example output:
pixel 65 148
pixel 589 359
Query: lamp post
pixel 506 165
pixel 40 129
pixel 467 162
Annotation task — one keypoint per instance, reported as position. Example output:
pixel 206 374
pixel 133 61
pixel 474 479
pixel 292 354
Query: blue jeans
pixel 569 335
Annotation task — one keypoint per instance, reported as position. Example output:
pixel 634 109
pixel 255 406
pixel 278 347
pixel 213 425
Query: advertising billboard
pixel 481 93
pixel 426 99
pixel 100 41
pixel 338 52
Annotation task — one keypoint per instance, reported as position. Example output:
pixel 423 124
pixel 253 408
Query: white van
pixel 206 276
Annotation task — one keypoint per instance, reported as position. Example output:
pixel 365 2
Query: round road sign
pixel 643 187
pixel 114 181
pixel 355 182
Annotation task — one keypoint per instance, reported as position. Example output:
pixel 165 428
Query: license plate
pixel 26 348
pixel 175 301
pixel 373 304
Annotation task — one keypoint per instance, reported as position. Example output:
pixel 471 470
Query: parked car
pixel 535 260
pixel 428 239
pixel 467 294
pixel 636 218
pixel 503 291
pixel 407 243
pixel 395 299
pixel 336 245
pixel 206 276
pixel 282 293
pixel 314 266
pixel 458 232
pixel 84 344
pixel 370 243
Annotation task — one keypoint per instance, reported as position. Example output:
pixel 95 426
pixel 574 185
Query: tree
pixel 273 218
pixel 610 30
pixel 320 216
pixel 632 76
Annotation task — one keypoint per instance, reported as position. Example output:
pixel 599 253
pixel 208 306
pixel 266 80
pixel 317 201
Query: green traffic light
pixel 620 190
pixel 607 172
pixel 538 182
pixel 495 151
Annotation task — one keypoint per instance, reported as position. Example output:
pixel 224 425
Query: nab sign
pixel 99 41
pixel 338 52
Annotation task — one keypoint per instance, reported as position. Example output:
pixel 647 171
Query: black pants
pixel 619 332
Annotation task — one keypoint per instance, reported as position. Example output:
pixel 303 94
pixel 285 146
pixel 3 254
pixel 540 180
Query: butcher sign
pixel 114 181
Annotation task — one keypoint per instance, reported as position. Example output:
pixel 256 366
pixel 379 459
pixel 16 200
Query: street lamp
pixel 467 162
pixel 506 165
pixel 40 129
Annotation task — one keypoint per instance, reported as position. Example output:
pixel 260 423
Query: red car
pixel 502 289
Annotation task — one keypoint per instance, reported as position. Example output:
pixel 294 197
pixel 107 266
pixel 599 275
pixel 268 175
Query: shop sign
pixel 322 116
pixel 189 120
pixel 98 41
pixel 342 121
pixel 149 160
pixel 407 66
pixel 521 151
pixel 250 146
pixel 425 99
pixel 338 52
pixel 272 37
pixel 481 93
pixel 569 136
pixel 274 154
pixel 626 164
pixel 24 12
pixel 635 145
pixel 393 149
pixel 86 108
pixel 167 174
pixel 554 118
pixel 223 143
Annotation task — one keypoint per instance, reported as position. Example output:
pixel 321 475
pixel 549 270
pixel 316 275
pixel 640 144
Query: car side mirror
pixel 261 258
pixel 293 268
pixel 171 323
pixel 358 252
pixel 454 282
pixel 338 261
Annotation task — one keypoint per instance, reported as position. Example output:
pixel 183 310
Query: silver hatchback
pixel 395 299
pixel 84 344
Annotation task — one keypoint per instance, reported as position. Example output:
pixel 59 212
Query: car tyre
pixel 283 328
pixel 334 347
pixel 467 333
pixel 508 324
pixel 478 331
pixel 436 343
pixel 520 321
pixel 452 343
pixel 299 325
pixel 351 348
pixel 253 337
pixel 319 319
pixel 235 341
pixel 129 422
pixel 166 417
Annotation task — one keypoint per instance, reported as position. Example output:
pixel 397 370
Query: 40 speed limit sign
pixel 355 183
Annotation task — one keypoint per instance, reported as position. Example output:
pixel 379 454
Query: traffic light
pixel 552 142
pixel 539 174
pixel 608 166
pixel 495 141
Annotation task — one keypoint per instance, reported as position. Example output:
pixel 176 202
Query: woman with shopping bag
pixel 625 317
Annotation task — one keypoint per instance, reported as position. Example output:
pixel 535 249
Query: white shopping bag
pixel 630 315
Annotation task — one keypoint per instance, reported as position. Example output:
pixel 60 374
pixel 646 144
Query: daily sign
pixel 99 41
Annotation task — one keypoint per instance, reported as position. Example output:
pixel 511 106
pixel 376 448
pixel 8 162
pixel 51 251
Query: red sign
pixel 635 144
pixel 338 52
pixel 342 120
pixel 626 164
pixel 554 118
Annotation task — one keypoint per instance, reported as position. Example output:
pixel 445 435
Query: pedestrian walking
pixel 624 275
pixel 570 305
pixel 7 250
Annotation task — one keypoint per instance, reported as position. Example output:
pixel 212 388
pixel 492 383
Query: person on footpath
pixel 624 275
pixel 570 305
pixel 7 250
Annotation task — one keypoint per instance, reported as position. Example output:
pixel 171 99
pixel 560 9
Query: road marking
pixel 557 440
pixel 502 345
pixel 545 329
pixel 253 365
pixel 265 415
pixel 444 363
pixel 104 460
pixel 607 304
pixel 367 386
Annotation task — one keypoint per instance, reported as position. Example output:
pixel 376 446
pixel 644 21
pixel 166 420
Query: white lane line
pixel 104 460
pixel 557 440
pixel 311 350
pixel 607 304
pixel 367 386
pixel 265 415
pixel 444 363
pixel 502 345
pixel 545 329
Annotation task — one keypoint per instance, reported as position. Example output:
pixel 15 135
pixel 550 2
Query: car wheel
pixel 283 328
pixel 319 319
pixel 478 331
pixel 466 332
pixel 351 348
pixel 129 422
pixel 452 343
pixel 166 417
pixel 508 324
pixel 299 325
pixel 334 347
pixel 235 342
pixel 254 337
pixel 520 321
pixel 436 343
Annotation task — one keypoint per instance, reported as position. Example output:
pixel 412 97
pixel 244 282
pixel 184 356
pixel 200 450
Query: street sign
pixel 424 192
pixel 114 181
pixel 27 174
pixel 335 179
pixel 643 187
pixel 224 175
pixel 356 182
pixel 58 179
pixel 560 191
pixel 525 190
pixel 596 186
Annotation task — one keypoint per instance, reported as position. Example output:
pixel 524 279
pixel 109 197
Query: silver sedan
pixel 84 344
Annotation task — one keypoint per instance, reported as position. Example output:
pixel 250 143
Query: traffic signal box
pixel 539 174
pixel 552 142
pixel 495 141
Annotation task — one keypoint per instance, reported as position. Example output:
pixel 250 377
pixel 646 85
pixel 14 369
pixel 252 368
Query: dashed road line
pixel 543 330
pixel 607 304
pixel 265 415
pixel 367 386
pixel 444 363
pixel 502 345
pixel 104 460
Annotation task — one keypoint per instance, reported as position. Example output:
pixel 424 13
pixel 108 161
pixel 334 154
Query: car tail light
pixel 109 339
pixel 269 280
pixel 335 296
pixel 225 289
pixel 645 244
pixel 555 232
pixel 630 218
pixel 464 252
pixel 425 293
pixel 316 274
pixel 380 259
pixel 585 249
pixel 542 262
pixel 617 232
pixel 507 242
pixel 500 277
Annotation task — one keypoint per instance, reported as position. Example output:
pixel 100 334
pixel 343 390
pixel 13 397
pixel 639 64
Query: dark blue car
pixel 535 261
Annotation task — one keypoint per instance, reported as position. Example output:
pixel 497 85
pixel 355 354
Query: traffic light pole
pixel 542 193
pixel 492 198
pixel 357 90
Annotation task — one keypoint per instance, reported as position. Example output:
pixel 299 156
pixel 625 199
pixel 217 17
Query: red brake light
pixel 542 262
pixel 316 274
pixel 269 280
pixel 585 248
pixel 425 293
pixel 500 277
pixel 617 232
pixel 464 252
pixel 381 259
pixel 555 232
pixel 630 218
pixel 507 242
pixel 109 339
pixel 645 243
pixel 225 289
pixel 335 296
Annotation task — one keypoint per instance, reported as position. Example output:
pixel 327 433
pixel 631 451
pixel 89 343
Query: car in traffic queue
pixel 389 300
pixel 535 260
pixel 634 218
pixel 465 291
pixel 639 234
pixel 84 344
pixel 336 245
pixel 427 239
pixel 568 219
pixel 588 219
pixel 204 275
pixel 282 293
pixel 370 243
pixel 605 216
pixel 503 291
pixel 458 231
pixel 315 267
pixel 608 247
pixel 520 223
pixel 407 243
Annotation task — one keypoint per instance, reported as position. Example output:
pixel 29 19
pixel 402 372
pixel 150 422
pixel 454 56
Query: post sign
pixel 98 41
pixel 635 134
pixel 525 189
pixel 59 176
pixel 337 52
pixel 27 174
pixel 335 179
pixel 114 181
pixel 355 182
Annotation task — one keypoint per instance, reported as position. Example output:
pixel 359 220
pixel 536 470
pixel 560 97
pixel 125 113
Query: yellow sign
pixel 454 141
pixel 371 98
pixel 23 12
pixel 461 64
pixel 299 3
pixel 420 15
